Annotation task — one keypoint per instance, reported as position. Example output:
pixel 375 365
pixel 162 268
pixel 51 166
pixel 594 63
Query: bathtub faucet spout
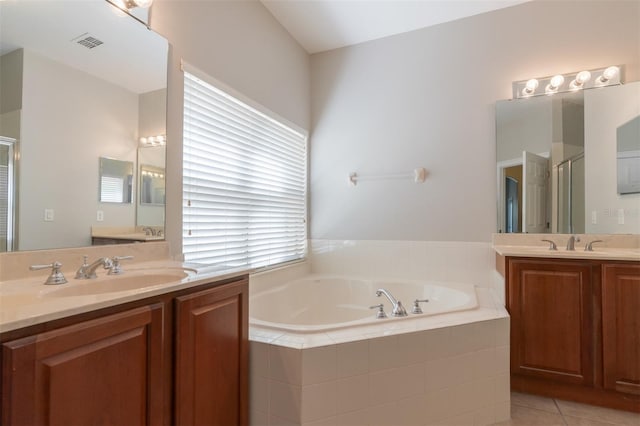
pixel 398 309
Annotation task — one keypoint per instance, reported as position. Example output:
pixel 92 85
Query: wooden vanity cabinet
pixel 175 359
pixel 575 329
pixel 621 327
pixel 103 371
pixel 552 316
pixel 211 356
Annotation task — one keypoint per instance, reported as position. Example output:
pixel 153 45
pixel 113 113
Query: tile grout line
pixel 560 411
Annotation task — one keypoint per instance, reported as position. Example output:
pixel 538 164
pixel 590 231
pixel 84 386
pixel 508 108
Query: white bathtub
pixel 321 303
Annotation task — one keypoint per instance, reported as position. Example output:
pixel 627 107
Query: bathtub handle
pixel 380 314
pixel 416 306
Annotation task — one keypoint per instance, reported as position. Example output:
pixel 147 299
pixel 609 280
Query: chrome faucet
pixel 88 271
pixel 56 276
pixel 149 231
pixel 571 244
pixel 398 310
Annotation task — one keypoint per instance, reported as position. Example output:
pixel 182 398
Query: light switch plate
pixel 48 215
pixel 594 217
pixel 620 216
pixel 100 216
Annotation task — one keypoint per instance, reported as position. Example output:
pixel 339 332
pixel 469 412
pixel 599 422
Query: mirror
pixel 558 168
pixel 116 181
pixel 151 175
pixel 81 83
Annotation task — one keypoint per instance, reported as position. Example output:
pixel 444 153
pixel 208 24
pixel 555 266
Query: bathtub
pixel 323 303
pixel 318 353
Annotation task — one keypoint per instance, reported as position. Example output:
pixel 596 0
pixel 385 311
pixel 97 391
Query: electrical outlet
pixel 594 217
pixel 620 216
pixel 48 215
pixel 100 216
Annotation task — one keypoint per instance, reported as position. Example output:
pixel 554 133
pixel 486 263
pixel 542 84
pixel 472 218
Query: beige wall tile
pixel 353 393
pixel 352 358
pixel 318 401
pixel 285 364
pixel 285 401
pixel 319 364
pixel 258 359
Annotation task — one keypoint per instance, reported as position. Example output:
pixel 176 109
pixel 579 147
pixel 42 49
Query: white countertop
pixel 613 253
pixel 624 247
pixel 26 302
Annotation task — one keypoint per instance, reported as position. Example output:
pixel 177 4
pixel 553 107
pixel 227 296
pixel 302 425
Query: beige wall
pixel 426 99
pixel 68 125
pixel 240 44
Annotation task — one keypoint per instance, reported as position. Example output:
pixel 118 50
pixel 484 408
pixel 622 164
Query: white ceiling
pixel 320 25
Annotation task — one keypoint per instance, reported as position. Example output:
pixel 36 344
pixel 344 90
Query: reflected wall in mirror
pixel 116 181
pixel 556 162
pixel 151 176
pixel 78 82
pixel 628 156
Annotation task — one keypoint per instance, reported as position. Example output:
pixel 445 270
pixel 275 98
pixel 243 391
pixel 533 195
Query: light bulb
pixel 608 74
pixel 143 3
pixel 531 85
pixel 582 77
pixel 556 82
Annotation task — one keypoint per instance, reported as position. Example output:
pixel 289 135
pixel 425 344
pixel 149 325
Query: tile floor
pixel 532 410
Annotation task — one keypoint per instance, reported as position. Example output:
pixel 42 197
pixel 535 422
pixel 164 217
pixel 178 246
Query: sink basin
pixel 117 283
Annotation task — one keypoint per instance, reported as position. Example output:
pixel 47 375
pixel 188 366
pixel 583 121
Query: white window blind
pixel 244 182
pixel 111 189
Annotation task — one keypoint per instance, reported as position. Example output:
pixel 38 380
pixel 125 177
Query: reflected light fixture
pixel 148 141
pixel 586 79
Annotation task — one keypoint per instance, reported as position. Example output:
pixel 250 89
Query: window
pixel 244 182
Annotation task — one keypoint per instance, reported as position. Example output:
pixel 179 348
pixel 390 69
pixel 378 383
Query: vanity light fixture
pixel 586 79
pixel 153 140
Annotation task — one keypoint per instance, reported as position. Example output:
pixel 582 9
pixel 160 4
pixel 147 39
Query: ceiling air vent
pixel 87 41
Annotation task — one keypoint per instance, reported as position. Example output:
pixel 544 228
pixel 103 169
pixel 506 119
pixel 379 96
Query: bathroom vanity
pixel 168 354
pixel 575 329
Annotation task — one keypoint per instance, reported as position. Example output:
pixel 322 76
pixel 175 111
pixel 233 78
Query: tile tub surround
pixel 421 378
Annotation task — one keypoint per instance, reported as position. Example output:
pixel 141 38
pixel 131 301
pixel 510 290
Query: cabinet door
pixel 106 371
pixel 621 327
pixel 551 320
pixel 211 381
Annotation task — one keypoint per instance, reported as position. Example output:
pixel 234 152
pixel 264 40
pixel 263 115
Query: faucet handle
pixel 56 276
pixel 416 306
pixel 589 247
pixel 116 269
pixel 380 314
pixel 552 245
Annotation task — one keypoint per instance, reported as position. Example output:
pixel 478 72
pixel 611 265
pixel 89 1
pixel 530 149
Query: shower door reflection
pixel 571 197
pixel 7 193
